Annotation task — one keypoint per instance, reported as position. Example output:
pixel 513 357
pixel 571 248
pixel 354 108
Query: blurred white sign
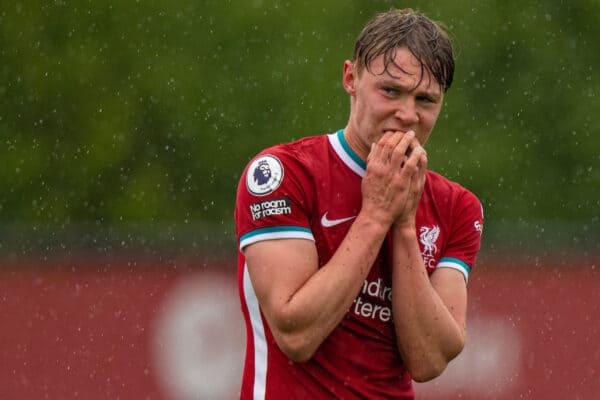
pixel 199 339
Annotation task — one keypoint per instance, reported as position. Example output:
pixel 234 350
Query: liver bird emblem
pixel 428 236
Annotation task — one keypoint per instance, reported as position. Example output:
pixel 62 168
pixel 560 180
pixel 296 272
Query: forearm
pixel 428 335
pixel 304 320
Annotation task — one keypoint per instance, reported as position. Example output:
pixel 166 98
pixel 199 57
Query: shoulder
pixel 448 190
pixel 461 216
pixel 454 199
pixel 295 156
pixel 293 160
pixel 305 145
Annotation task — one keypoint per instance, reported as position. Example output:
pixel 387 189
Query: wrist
pixel 405 229
pixel 370 223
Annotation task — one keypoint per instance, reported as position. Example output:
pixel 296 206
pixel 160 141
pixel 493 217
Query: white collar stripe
pixel 345 153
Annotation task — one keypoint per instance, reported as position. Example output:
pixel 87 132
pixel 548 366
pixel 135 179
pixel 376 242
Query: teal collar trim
pixel 349 151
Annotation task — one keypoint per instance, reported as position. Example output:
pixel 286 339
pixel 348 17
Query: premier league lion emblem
pixel 264 175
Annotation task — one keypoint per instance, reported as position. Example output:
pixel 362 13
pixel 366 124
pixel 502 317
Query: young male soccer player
pixel 353 257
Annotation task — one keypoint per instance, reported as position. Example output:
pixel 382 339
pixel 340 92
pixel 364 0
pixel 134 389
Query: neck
pixel 353 139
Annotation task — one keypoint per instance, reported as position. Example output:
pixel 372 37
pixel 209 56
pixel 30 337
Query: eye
pixel 426 99
pixel 390 90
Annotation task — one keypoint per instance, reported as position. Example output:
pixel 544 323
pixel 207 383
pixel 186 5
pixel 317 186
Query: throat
pixel 356 145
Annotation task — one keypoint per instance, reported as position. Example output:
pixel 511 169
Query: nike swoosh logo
pixel 328 223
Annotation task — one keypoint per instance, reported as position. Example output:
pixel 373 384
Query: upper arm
pixel 278 269
pixel 451 287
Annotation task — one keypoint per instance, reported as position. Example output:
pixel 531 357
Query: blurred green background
pixel 126 125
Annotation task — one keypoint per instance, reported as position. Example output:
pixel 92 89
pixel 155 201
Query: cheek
pixel 363 110
pixel 375 111
pixel 429 117
pixel 427 125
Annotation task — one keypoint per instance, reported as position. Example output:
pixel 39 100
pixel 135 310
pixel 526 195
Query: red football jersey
pixel 311 189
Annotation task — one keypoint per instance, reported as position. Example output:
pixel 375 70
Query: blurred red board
pixel 533 333
pixel 124 329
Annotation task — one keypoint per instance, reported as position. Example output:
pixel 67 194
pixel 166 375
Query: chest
pixel 338 202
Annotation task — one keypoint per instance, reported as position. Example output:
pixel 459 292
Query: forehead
pixel 404 67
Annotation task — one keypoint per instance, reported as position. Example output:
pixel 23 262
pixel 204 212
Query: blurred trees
pixel 114 114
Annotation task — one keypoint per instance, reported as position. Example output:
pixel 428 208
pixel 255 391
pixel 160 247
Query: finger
pixel 413 144
pixel 422 170
pixel 404 159
pixel 370 152
pixel 384 147
pixel 402 148
pixel 417 159
pixel 422 164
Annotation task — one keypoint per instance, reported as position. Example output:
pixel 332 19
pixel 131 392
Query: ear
pixel 349 77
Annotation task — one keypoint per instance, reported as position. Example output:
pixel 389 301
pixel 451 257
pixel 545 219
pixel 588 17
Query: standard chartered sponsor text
pixel 374 289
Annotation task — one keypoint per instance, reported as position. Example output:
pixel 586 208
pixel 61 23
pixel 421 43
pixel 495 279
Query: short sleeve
pixel 273 199
pixel 465 237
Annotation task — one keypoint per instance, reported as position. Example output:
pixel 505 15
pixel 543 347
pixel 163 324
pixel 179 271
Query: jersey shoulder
pixel 446 190
pixel 301 150
pixel 277 191
pixel 298 160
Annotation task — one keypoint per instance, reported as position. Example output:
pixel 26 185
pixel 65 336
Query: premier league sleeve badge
pixel 264 175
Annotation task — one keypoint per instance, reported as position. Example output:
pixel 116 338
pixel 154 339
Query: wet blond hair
pixel 427 40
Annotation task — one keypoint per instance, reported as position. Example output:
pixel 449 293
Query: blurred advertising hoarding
pixel 153 330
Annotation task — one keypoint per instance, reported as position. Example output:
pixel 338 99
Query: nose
pixel 406 112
